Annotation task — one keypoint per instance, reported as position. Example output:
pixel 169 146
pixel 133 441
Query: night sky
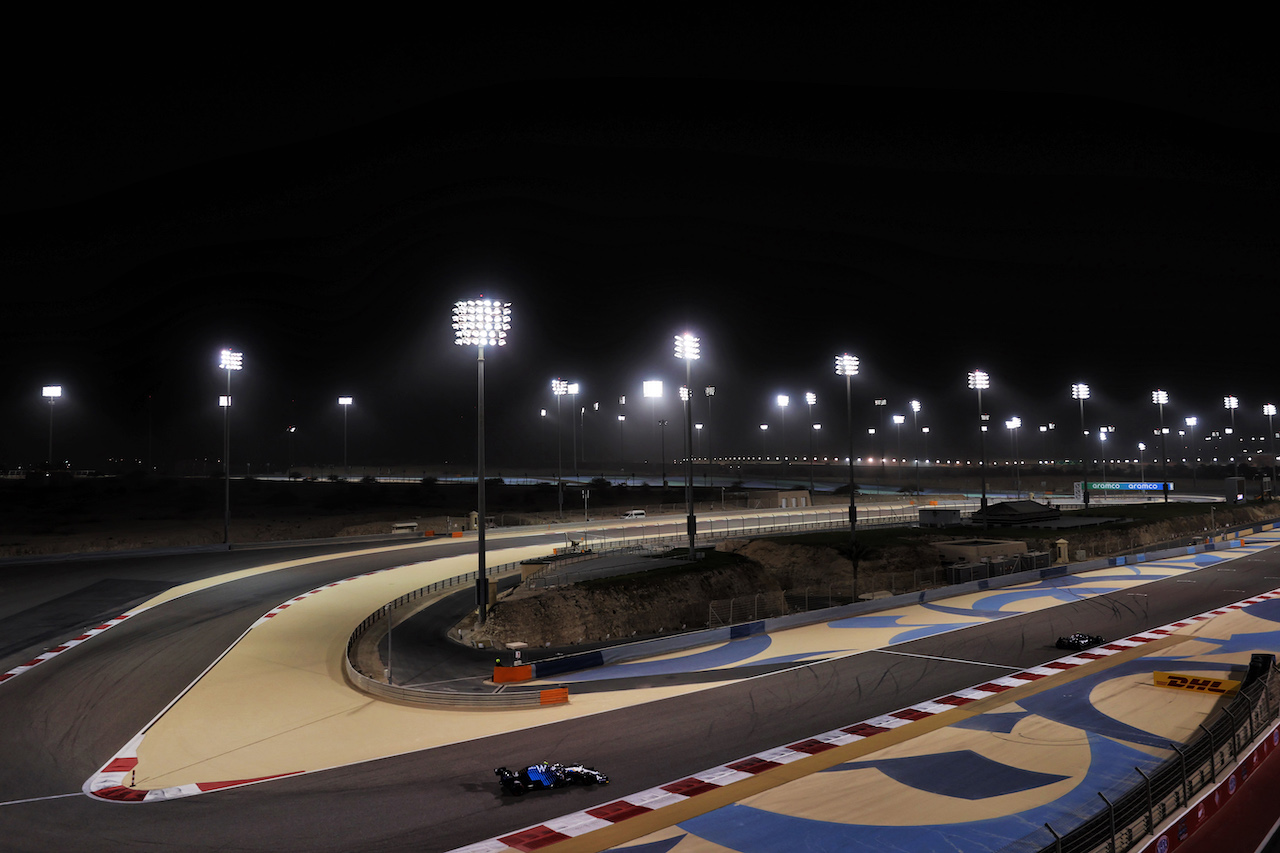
pixel 1051 200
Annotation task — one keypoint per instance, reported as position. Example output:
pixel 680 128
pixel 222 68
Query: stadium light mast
pixel 979 381
pixel 479 323
pixel 1160 398
pixel 847 366
pixel 1080 391
pixel 230 361
pixel 51 393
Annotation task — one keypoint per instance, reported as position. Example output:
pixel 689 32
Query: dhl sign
pixel 1200 684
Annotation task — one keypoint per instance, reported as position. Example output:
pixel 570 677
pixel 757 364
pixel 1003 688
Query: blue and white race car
pixel 546 774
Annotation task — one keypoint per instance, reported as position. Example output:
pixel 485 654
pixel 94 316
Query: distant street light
pixel 230 361
pixel 345 403
pixel 688 348
pixel 847 366
pixel 479 323
pixel 51 393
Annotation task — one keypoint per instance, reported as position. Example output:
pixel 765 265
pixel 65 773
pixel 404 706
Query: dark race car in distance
pixel 546 774
pixel 1079 642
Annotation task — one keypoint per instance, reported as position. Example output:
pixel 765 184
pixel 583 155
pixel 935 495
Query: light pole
pixel 51 393
pixel 1012 425
pixel 1269 410
pixel 345 403
pixel 559 388
pixel 622 419
pixel 847 366
pixel 688 348
pixel 810 399
pixel 915 425
pixel 980 381
pixel 1160 398
pixel 1191 423
pixel 1080 391
pixel 710 391
pixel 479 323
pixel 653 391
pixel 573 389
pixel 783 401
pixel 1230 403
pixel 898 421
pixel 230 361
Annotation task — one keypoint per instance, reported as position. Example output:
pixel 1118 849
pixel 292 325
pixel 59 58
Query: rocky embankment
pixel 664 601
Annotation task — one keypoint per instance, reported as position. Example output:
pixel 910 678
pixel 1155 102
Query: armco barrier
pixel 455 700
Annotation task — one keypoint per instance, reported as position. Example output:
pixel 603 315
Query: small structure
pixel 977 550
pixel 1017 514
pixel 936 516
pixel 776 499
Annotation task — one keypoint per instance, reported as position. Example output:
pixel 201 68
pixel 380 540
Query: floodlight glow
pixel 979 380
pixel 231 360
pixel 1080 391
pixel 559 387
pixel 687 346
pixel 1268 409
pixel 783 400
pixel 345 401
pixel 846 365
pixel 573 388
pixel 810 398
pixel 481 322
pixel 1160 398
pixel 1230 402
pixel 653 387
pixel 52 391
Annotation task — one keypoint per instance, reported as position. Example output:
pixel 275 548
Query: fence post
pixel 1213 755
pixel 1186 785
pixel 1111 818
pixel 1151 810
pixel 1057 839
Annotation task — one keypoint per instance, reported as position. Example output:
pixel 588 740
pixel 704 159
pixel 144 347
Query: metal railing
pixel 1128 815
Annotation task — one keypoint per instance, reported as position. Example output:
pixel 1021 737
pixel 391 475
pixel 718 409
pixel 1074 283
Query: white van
pixel 633 513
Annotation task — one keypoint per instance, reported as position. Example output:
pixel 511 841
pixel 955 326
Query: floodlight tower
pixel 345 402
pixel 230 361
pixel 847 366
pixel 980 381
pixel 1160 398
pixel 1269 410
pixel 480 323
pixel 810 399
pixel 1231 403
pixel 51 393
pixel 1080 391
pixel 559 388
pixel 688 348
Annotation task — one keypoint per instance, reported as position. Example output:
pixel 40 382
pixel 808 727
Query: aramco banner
pixel 1121 487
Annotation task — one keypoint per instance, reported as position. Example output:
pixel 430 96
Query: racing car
pixel 546 774
pixel 1079 642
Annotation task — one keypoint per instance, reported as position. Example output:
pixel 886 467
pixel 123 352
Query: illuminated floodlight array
pixel 846 365
pixel 481 322
pixel 687 347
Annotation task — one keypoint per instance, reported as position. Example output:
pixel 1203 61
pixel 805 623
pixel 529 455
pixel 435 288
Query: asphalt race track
pixel 60 721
